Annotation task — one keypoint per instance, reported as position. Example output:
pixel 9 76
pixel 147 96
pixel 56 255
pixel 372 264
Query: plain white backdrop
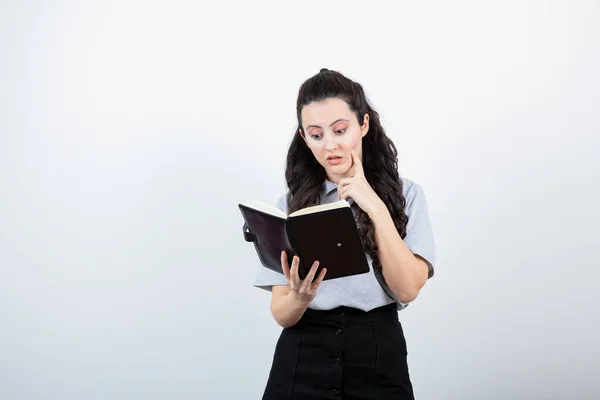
pixel 130 131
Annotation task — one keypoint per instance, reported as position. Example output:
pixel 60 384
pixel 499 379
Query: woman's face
pixel 332 132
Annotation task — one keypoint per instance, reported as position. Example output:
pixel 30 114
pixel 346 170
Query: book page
pixel 264 207
pixel 320 208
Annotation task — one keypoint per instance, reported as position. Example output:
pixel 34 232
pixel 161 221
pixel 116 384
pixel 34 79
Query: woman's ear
pixel 365 126
pixel 302 135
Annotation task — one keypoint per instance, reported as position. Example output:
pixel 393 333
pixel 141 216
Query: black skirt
pixel 344 354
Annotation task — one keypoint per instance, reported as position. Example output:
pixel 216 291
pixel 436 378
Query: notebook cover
pixel 268 236
pixel 332 238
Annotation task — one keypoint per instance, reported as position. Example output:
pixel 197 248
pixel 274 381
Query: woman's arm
pixel 288 303
pixel 404 272
pixel 286 308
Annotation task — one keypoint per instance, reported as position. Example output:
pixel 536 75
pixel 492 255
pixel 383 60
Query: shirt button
pixel 336 391
pixel 338 332
pixel 337 360
pixel 341 315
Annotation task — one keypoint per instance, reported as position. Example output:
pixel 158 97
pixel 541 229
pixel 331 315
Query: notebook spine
pixel 291 239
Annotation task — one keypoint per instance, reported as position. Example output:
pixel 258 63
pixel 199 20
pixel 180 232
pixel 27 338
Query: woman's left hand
pixel 359 189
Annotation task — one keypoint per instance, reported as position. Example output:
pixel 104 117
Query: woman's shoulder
pixel 410 188
pixel 283 202
pixel 414 195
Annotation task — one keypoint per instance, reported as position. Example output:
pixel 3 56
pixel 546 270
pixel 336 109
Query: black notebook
pixel 326 233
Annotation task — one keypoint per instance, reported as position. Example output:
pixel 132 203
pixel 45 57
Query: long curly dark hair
pixel 305 176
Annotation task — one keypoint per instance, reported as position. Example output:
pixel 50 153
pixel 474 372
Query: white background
pixel 130 131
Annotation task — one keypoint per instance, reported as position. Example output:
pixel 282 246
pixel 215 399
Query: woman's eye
pixel 340 131
pixel 316 136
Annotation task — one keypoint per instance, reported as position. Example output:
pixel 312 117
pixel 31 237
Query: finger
pixel 340 191
pixel 294 272
pixel 358 167
pixel 311 274
pixel 344 182
pixel 284 265
pixel 345 192
pixel 320 278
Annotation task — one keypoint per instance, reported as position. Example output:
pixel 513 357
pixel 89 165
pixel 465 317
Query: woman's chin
pixel 337 170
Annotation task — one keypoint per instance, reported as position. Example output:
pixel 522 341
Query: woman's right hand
pixel 303 290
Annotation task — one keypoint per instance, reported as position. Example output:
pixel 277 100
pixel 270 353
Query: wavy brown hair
pixel 305 176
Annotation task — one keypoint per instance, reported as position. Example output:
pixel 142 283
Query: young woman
pixel 341 338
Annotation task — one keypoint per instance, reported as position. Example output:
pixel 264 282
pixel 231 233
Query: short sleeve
pixel 419 236
pixel 265 278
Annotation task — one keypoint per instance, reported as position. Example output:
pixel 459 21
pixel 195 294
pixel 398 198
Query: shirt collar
pixel 330 189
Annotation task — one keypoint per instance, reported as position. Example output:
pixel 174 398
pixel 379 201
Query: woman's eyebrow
pixel 332 124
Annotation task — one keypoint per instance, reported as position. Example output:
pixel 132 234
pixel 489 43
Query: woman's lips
pixel 334 160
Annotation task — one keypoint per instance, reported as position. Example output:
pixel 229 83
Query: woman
pixel 341 338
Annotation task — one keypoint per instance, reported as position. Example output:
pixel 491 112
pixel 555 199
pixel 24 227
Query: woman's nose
pixel 330 143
